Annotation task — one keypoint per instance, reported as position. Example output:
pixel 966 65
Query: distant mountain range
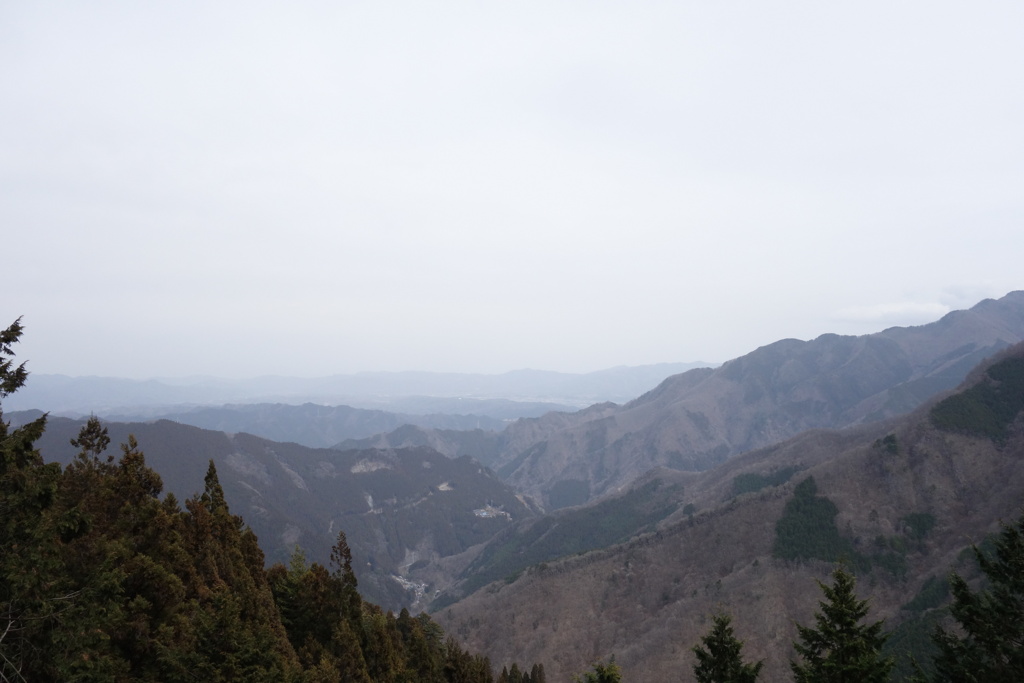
pixel 503 396
pixel 700 418
pixel 318 426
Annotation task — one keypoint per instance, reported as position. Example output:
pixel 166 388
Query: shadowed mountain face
pixel 698 419
pixel 898 500
pixel 397 508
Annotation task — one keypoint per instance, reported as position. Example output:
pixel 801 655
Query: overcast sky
pixel 308 188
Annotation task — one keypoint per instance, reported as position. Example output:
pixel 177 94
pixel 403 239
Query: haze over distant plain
pixel 240 189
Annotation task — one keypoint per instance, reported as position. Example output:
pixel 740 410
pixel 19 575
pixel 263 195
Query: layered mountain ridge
pixel 700 418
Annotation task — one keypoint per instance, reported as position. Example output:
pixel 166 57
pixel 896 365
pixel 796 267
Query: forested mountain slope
pixel 899 500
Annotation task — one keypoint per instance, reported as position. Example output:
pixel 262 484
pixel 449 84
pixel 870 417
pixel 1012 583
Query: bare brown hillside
pixel 649 600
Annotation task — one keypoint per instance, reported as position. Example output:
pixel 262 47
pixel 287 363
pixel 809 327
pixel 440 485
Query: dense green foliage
pixel 987 408
pixel 750 482
pixel 889 444
pixel 807 531
pixel 934 593
pixel 910 646
pixel 910 642
pixel 567 493
pixel 101 580
pixel 515 675
pixel 918 524
pixel 719 658
pixel 807 528
pixel 601 673
pixel 840 649
pixel 989 646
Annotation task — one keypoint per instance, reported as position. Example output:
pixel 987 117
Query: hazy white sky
pixel 311 188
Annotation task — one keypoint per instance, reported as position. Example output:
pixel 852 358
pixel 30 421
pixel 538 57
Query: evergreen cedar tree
pixel 989 646
pixel 514 675
pixel 719 658
pixel 840 649
pixel 101 580
pixel 602 673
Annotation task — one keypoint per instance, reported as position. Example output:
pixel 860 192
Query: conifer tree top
pixel 840 649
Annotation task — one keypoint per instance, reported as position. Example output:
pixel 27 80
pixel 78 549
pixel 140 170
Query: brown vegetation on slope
pixel 648 601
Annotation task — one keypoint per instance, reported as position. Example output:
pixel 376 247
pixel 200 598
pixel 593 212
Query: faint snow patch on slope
pixel 367 465
pixel 248 466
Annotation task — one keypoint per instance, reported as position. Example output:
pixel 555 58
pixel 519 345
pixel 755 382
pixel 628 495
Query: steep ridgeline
pixel 700 418
pixel 399 508
pixel 898 500
pixel 489 447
